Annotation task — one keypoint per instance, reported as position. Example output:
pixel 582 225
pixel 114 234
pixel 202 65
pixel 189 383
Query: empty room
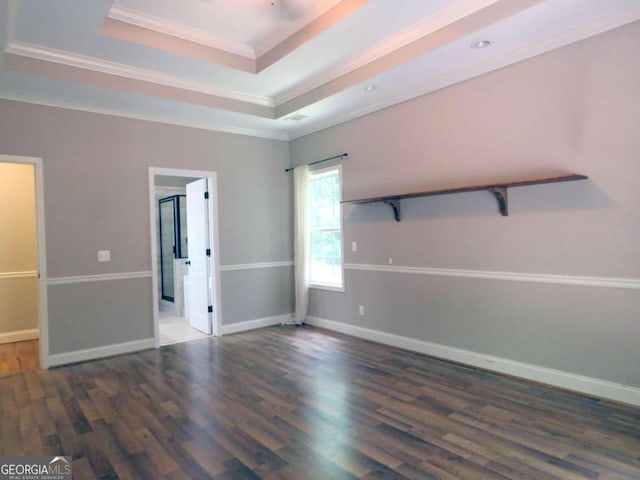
pixel 320 239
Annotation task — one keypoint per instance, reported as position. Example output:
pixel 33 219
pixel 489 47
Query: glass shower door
pixel 167 246
pixel 173 242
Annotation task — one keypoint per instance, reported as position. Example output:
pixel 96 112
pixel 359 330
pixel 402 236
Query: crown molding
pixel 94 64
pixel 10 25
pixel 569 36
pixel 162 25
pixel 166 120
pixel 429 25
pixel 289 29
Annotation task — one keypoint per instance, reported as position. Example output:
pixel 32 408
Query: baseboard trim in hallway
pixel 19 336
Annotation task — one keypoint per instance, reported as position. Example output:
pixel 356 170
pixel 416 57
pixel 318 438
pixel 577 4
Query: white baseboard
pixel 99 352
pixel 19 336
pixel 255 324
pixel 137 345
pixel 558 378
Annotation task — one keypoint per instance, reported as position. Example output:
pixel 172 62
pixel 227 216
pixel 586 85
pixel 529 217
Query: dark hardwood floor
pixel 303 403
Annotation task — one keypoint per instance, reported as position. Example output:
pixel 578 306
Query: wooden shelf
pixel 499 191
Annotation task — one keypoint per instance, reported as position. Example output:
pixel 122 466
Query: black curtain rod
pixel 341 156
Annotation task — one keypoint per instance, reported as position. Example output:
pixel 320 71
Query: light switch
pixel 104 256
pixel 354 246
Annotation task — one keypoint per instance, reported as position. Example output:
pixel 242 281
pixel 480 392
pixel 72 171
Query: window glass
pixel 325 228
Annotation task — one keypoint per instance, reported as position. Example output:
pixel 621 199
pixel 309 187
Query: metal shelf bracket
pixel 503 200
pixel 395 206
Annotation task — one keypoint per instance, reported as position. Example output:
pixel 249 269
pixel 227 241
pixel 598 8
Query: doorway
pixel 185 265
pixel 23 303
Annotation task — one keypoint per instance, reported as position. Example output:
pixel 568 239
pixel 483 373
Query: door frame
pixel 214 266
pixel 43 304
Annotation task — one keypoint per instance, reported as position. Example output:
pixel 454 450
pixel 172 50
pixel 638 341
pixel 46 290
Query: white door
pixel 200 294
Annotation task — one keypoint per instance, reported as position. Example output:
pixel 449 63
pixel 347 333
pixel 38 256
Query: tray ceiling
pixel 278 70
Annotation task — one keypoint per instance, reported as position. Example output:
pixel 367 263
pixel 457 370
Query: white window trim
pixel 320 286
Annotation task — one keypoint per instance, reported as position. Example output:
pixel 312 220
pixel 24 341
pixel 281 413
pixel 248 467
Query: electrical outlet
pixel 390 261
pixel 354 246
pixel 104 256
pixel 361 310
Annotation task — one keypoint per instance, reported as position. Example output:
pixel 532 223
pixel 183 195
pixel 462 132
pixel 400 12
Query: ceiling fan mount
pixel 288 9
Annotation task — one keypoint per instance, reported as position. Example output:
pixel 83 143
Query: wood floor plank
pixel 307 404
pixel 20 356
pixel 115 451
pixel 96 452
pixel 158 455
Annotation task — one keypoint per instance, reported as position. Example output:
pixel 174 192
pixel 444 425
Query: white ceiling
pixel 247 66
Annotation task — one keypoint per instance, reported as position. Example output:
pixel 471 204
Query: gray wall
pixel 96 194
pixel 572 110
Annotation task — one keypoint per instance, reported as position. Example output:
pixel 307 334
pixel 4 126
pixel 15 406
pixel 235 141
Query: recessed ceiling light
pixel 370 88
pixel 296 118
pixel 481 44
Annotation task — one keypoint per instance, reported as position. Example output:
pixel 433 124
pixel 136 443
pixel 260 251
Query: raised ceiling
pixel 278 69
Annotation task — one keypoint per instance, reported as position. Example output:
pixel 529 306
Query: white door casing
pixel 214 260
pixel 43 304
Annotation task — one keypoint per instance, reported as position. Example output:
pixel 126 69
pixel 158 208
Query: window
pixel 325 217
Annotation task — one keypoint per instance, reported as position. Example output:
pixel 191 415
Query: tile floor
pixel 177 330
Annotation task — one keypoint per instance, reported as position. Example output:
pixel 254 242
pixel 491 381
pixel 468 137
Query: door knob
pixel 188 262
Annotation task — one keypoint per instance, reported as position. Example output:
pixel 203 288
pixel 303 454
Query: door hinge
pixel 208 252
pixel 206 195
pixel 210 309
